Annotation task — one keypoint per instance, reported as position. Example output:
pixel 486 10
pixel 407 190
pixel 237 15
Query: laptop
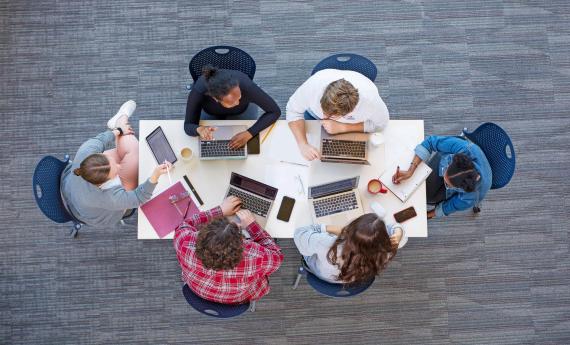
pixel 255 196
pixel 218 148
pixel 351 148
pixel 336 202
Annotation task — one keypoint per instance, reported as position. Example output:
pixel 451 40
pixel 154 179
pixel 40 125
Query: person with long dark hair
pixel 461 175
pixel 228 95
pixel 353 254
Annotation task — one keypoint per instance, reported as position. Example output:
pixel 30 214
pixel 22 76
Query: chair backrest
pixel 348 62
pixel 336 290
pixel 224 57
pixel 498 149
pixel 46 188
pixel 214 309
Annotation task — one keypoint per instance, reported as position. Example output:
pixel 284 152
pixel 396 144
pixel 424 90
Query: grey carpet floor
pixel 501 277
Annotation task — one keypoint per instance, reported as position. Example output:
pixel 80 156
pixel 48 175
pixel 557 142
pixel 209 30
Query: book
pixel 406 188
pixel 165 215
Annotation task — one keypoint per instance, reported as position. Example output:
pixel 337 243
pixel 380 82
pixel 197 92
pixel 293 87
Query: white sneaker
pixel 128 108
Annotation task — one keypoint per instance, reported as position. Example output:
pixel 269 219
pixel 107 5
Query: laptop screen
pixel 333 187
pixel 253 186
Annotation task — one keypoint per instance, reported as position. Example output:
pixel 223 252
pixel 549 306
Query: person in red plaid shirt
pixel 218 263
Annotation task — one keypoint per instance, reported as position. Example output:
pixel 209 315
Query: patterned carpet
pixel 502 277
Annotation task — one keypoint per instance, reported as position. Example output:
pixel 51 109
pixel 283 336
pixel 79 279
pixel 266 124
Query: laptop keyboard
pixel 251 202
pixel 335 204
pixel 344 148
pixel 219 148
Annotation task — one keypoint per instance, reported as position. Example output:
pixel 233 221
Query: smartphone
pixel 405 214
pixel 286 209
pixel 253 146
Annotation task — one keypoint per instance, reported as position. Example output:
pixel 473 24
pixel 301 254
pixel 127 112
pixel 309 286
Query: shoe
pixel 128 108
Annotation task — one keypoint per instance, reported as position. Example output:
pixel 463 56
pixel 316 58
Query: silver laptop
pixel 351 148
pixel 218 148
pixel 255 196
pixel 336 202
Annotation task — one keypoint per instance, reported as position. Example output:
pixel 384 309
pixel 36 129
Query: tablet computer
pixel 160 147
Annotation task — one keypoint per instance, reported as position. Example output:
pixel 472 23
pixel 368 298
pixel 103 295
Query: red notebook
pixel 165 211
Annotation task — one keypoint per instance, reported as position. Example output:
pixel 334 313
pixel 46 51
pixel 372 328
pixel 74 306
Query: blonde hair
pixel 340 98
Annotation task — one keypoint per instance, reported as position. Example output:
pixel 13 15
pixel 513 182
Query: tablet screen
pixel 160 147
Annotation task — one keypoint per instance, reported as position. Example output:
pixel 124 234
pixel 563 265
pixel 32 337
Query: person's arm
pixel 98 144
pixel 271 111
pixel 336 127
pixel 204 217
pixel 458 202
pixel 272 256
pixel 443 144
pixel 193 110
pixel 377 113
pixel 311 238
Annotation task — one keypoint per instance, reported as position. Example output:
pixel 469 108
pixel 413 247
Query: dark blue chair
pixel 326 288
pixel 499 150
pixel 224 57
pixel 46 188
pixel 348 62
pixel 214 309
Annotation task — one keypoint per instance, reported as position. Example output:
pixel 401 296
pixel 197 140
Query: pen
pixel 303 165
pixel 301 182
pixel 397 173
pixel 168 172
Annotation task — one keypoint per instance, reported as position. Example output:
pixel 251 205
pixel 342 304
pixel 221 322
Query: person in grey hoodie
pixel 102 182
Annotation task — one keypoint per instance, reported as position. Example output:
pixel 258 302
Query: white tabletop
pixel 211 178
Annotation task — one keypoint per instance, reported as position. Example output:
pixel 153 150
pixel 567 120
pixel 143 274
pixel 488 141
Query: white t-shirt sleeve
pixel 377 115
pixel 300 101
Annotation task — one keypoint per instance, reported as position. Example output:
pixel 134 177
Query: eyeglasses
pixel 175 198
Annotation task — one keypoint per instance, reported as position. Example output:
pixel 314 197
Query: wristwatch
pixel 120 130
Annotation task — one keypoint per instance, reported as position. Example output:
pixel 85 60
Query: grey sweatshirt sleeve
pixel 100 143
pixel 120 199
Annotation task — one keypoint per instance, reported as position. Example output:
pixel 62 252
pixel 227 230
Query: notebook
pixel 406 188
pixel 163 215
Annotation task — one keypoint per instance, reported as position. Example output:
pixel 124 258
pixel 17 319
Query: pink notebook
pixel 163 214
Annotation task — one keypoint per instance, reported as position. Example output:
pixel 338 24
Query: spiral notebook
pixel 406 188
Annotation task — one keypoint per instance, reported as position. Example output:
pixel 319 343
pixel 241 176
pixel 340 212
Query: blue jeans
pixel 251 113
pixel 308 116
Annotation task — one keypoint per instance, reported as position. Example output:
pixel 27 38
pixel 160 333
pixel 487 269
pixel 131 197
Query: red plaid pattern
pixel 247 281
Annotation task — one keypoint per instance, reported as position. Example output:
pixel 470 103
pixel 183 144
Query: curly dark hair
pixel 462 173
pixel 366 250
pixel 219 245
pixel 219 82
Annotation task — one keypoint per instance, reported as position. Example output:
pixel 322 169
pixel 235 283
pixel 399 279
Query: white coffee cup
pixel 377 139
pixel 186 154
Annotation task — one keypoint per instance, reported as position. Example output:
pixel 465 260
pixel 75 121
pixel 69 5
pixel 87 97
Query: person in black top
pixel 223 94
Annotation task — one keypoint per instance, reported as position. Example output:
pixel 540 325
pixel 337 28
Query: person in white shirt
pixel 345 101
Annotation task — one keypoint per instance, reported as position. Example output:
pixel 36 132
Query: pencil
pixel 268 132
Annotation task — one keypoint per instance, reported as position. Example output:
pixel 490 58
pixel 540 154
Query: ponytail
pixel 94 169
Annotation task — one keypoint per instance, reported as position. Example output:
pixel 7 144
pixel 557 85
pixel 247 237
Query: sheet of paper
pixel 284 147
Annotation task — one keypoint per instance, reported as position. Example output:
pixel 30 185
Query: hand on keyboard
pixel 230 205
pixel 245 218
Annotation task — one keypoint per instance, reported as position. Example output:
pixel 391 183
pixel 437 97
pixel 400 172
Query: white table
pixel 211 178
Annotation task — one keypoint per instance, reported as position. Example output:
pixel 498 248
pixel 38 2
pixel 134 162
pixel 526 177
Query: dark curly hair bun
pixel 209 71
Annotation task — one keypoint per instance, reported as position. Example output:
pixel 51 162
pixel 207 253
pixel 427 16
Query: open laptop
pixel 336 202
pixel 218 148
pixel 349 148
pixel 255 196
